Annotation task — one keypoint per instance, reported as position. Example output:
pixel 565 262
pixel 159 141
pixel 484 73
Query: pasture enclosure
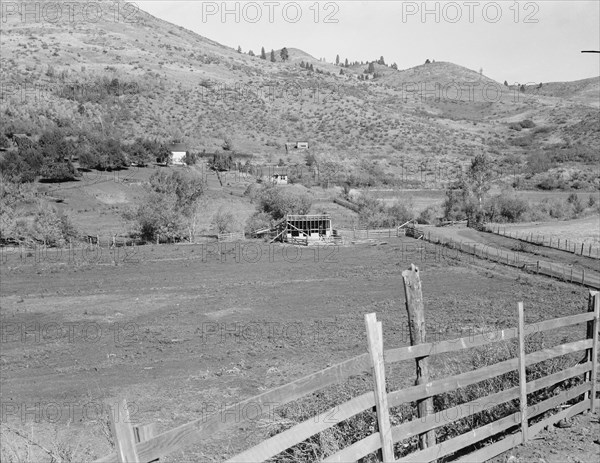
pixel 540 239
pixel 533 398
pixel 551 269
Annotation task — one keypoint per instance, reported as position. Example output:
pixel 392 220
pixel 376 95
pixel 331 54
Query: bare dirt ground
pixel 183 331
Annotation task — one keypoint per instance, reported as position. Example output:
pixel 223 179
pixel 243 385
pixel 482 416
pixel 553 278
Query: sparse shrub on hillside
pixel 224 221
pixel 515 126
pixel 538 161
pixel 550 182
pixel 527 124
pixel 591 201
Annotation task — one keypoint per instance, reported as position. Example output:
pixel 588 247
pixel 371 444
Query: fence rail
pixel 561 272
pixel 539 239
pixel 132 447
pixel 235 236
pixel 371 233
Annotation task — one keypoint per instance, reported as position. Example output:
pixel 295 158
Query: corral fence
pixel 140 444
pixel 539 239
pixel 365 233
pixel 235 236
pixel 370 233
pixel 570 274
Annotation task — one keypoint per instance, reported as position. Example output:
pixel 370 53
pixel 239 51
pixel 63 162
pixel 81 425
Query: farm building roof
pixel 178 147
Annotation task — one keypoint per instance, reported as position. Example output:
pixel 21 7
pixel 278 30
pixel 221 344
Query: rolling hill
pixel 150 78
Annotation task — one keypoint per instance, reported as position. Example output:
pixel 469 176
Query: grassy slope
pixel 185 85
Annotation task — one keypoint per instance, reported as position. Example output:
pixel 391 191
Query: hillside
pixel 150 78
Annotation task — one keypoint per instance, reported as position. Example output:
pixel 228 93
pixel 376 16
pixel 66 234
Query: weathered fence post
pixel 375 340
pixel 582 244
pixel 416 326
pixel 592 354
pixel 123 433
pixel 145 432
pixel 522 374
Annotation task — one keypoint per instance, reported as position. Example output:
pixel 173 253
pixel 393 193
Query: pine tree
pixel 505 83
pixel 302 65
pixel 341 72
pixel 239 49
pixel 337 60
pixel 272 56
pixel 263 55
pixel 346 62
pixel 371 67
pixel 284 54
pixel 395 66
pixel 381 61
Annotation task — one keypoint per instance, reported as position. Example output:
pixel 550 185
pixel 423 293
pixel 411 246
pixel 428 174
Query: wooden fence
pixel 135 444
pixel 563 244
pixel 235 236
pixel 371 233
pixel 514 259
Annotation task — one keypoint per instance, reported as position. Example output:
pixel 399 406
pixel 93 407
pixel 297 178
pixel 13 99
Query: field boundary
pixel 140 444
pixel 510 258
pixel 574 247
pixel 235 236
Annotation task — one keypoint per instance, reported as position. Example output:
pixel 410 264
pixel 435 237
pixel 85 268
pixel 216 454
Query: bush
pixel 527 124
pixel 170 208
pixel 258 221
pixel 278 202
pixel 430 215
pixel 507 208
pixel 52 228
pixel 224 221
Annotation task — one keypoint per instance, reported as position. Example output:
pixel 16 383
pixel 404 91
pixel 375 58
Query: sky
pixel 517 41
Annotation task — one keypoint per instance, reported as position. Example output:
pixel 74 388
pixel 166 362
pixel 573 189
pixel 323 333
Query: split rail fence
pixel 539 239
pixel 135 444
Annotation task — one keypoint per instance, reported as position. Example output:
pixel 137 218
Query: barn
pixel 178 152
pixel 307 228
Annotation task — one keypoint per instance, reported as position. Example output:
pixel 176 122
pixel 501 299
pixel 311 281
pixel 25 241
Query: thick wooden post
pixel 592 354
pixel 581 249
pixel 416 326
pixel 123 433
pixel 522 374
pixel 375 340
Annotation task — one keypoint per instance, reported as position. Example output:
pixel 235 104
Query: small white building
pixel 178 152
pixel 280 179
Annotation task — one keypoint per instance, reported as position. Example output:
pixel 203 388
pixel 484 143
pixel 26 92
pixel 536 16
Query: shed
pixel 178 152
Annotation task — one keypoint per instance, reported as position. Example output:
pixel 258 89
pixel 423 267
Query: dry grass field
pixel 578 230
pixel 183 330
